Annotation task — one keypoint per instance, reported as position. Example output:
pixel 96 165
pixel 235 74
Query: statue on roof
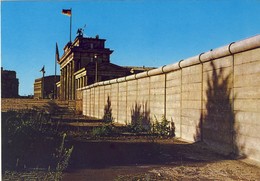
pixel 81 31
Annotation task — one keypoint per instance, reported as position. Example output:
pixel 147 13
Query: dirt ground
pixel 133 158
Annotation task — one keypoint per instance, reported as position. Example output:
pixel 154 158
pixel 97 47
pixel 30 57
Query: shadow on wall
pixel 217 123
pixel 140 117
pixel 108 118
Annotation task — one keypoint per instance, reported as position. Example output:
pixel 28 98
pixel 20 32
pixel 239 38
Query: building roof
pixel 48 77
pixel 105 66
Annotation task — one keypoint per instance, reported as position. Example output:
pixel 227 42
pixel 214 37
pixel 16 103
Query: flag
pixel 42 70
pixel 66 12
pixel 57 53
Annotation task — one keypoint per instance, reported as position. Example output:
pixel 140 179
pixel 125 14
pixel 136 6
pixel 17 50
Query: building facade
pixel 9 84
pixel 46 87
pixel 84 62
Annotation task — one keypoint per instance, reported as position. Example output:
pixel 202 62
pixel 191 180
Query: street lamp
pixel 96 74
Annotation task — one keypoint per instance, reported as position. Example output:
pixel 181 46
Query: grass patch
pixel 30 142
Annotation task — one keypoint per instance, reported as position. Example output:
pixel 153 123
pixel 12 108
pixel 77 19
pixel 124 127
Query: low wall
pixel 213 97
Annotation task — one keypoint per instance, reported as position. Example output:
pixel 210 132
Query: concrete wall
pixel 214 97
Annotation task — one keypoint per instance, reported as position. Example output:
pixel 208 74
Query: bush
pixel 162 128
pixel 28 141
pixel 62 157
pixel 102 131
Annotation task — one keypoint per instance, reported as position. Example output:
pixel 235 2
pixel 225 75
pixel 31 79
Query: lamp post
pixel 43 87
pixel 96 73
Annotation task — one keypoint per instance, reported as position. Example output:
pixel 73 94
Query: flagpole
pixel 70 23
pixel 54 86
pixel 43 72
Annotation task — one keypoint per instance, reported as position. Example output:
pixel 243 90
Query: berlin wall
pixel 213 97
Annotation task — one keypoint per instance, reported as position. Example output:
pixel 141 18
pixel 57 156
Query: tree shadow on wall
pixel 108 118
pixel 217 127
pixel 140 117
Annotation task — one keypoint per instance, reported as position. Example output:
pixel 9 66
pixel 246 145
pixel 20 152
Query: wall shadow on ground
pixel 217 122
pixel 106 154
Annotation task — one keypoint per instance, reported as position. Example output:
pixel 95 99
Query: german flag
pixel 66 12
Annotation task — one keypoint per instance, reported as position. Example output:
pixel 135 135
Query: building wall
pixel 38 88
pixel 49 86
pixel 213 97
pixel 9 84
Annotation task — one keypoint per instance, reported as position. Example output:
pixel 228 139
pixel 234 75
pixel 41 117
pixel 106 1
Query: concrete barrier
pixel 213 97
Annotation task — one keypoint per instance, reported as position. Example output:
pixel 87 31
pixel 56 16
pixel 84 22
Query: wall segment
pixel 214 97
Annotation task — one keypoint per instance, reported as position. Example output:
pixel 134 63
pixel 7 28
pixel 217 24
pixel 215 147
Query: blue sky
pixel 144 32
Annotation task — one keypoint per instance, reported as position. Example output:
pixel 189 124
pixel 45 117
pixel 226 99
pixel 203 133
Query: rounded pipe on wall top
pixel 190 61
pixel 247 44
pixel 96 84
pixel 171 67
pixel 220 52
pixel 113 81
pixel 100 83
pixel 141 75
pixel 155 71
pixel 207 56
pixel 234 47
pixel 121 79
pixel 106 82
pixel 130 77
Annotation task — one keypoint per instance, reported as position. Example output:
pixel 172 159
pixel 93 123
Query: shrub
pixel 101 131
pixel 161 128
pixel 24 133
pixel 62 157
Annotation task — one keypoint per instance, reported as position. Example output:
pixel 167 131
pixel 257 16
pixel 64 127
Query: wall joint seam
pixel 201 103
pixel 181 99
